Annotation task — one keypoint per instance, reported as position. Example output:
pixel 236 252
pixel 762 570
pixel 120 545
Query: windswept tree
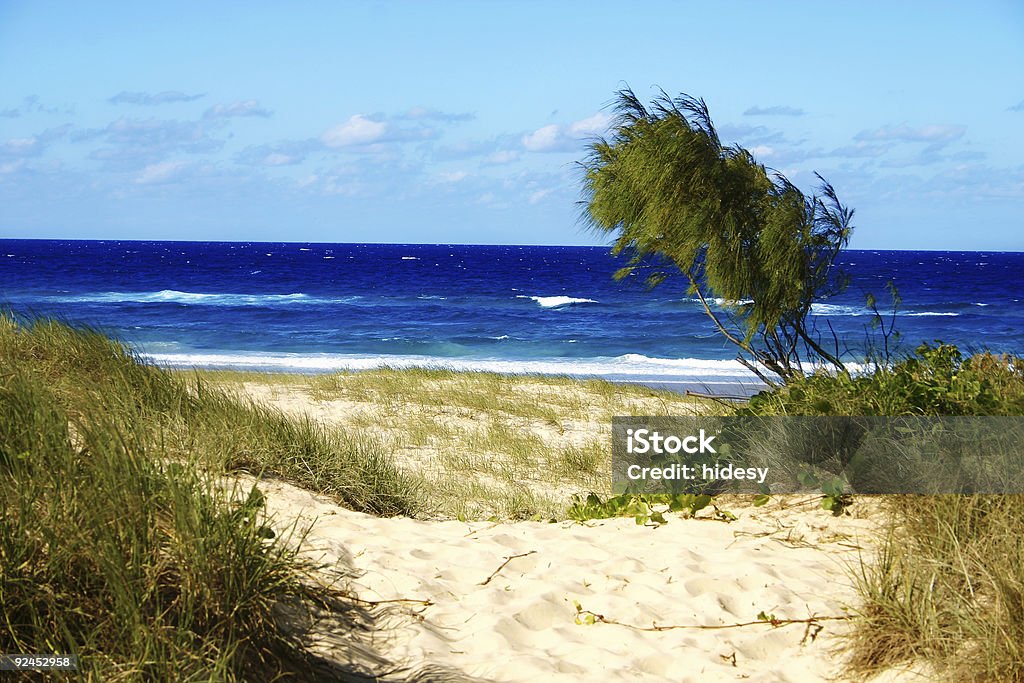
pixel 679 201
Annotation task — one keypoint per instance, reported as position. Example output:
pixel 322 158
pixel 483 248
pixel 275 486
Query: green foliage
pixel 834 497
pixel 936 380
pixel 584 617
pixel 641 507
pixel 666 187
pixel 117 543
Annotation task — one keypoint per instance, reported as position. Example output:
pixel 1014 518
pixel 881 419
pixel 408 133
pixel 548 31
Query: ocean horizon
pixel 317 307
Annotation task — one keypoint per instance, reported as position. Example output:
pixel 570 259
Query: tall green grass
pixel 193 420
pixel 118 545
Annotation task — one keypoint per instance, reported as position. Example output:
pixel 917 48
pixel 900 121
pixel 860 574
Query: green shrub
pixel 934 381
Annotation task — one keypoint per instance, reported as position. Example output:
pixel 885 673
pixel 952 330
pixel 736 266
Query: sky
pixel 463 122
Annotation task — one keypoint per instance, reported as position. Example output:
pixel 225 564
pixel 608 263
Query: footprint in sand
pixel 543 614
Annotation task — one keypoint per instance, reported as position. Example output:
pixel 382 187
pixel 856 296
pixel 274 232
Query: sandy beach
pixel 516 619
pixel 607 599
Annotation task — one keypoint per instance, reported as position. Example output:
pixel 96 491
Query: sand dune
pixel 501 619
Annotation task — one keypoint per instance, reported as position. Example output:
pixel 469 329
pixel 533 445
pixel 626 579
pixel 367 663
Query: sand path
pixel 519 623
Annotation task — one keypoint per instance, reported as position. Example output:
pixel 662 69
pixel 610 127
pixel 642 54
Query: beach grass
pixel 117 549
pixel 946 589
pixel 125 541
pixel 480 445
pixel 193 420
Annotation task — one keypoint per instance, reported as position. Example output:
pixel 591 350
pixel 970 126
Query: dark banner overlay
pixel 712 454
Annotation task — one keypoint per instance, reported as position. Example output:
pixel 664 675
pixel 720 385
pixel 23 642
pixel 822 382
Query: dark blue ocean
pixel 322 307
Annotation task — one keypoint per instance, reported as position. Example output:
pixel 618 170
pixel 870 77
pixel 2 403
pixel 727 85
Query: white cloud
pixel 358 130
pixel 762 150
pixel 19 147
pixel 135 142
pixel 556 138
pixel 149 99
pixel 161 172
pixel 776 110
pixel 592 125
pixel 543 139
pixel 750 135
pixel 538 196
pixel 32 105
pixel 859 149
pixel 281 153
pixel 426 113
pixel 278 159
pixel 35 145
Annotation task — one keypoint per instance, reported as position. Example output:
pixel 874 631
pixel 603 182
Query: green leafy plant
pixel 641 506
pixel 834 498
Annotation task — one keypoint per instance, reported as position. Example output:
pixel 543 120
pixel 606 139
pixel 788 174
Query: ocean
pixel 328 307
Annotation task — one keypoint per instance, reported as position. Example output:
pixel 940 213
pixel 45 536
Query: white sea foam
pixel 410 258
pixel 202 298
pixel 720 301
pixel 838 310
pixel 556 301
pixel 629 366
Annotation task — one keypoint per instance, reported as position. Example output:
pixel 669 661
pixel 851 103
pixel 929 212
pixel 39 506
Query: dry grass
pixel 483 445
pixel 946 589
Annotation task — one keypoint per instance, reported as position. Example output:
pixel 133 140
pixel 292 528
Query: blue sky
pixel 461 121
